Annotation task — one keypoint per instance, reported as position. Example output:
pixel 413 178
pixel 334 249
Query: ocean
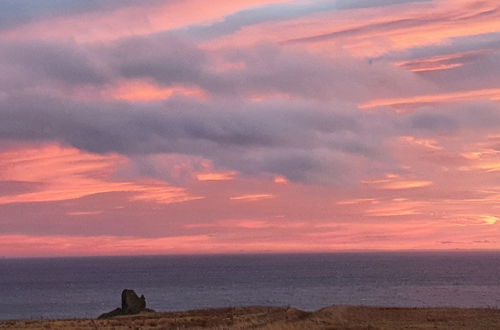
pixel 53 288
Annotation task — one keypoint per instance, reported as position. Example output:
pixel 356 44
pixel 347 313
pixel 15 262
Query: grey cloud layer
pixel 283 138
pixel 316 136
pixel 42 61
pixel 169 61
pixel 305 141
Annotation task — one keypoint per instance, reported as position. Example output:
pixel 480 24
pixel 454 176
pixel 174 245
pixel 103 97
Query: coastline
pixel 263 317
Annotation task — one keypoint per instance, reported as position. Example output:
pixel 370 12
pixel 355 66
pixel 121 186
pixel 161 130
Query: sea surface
pixel 50 288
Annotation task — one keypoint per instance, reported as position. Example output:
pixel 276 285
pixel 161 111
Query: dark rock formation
pixel 131 304
pixel 113 313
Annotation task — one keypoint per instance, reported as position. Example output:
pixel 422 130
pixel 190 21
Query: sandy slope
pixel 336 317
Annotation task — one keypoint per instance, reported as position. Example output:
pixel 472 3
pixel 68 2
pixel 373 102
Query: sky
pixel 134 127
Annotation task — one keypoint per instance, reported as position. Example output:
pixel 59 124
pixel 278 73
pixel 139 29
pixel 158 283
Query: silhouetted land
pixel 335 317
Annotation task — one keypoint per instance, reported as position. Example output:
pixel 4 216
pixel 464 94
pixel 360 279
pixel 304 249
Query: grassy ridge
pixel 273 318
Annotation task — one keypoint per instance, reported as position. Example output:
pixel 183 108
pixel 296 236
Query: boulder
pixel 131 304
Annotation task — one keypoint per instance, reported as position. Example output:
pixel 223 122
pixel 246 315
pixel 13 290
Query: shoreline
pixel 265 317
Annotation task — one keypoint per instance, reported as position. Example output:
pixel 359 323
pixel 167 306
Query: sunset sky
pixel 132 127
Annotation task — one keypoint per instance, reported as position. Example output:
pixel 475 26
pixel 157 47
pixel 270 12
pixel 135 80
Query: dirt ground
pixel 335 317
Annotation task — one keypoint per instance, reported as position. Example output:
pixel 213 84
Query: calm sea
pixel 87 287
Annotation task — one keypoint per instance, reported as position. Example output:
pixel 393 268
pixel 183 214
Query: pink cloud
pixel 67 173
pixel 442 62
pixel 134 20
pixel 252 197
pixel 412 102
pixel 143 91
pixel 374 31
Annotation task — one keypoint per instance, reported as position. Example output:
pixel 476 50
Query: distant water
pixel 87 287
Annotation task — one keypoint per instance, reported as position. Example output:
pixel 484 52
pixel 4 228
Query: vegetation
pixel 274 318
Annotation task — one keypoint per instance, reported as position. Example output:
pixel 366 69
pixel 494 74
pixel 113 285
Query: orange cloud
pixel 260 97
pixel 22 245
pixel 279 235
pixel 406 184
pixel 356 201
pixel 394 182
pixel 278 223
pixel 280 179
pixel 67 173
pixel 490 167
pixel 369 32
pixel 414 101
pixel 396 208
pixel 490 220
pixel 483 157
pixel 411 26
pixel 84 213
pixel 133 20
pixel 143 91
pixel 252 197
pixel 216 176
pixel 427 143
pixel 442 62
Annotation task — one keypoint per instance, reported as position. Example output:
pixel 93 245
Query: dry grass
pixel 280 318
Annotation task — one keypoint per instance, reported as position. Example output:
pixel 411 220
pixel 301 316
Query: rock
pixel 131 304
pixel 113 313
